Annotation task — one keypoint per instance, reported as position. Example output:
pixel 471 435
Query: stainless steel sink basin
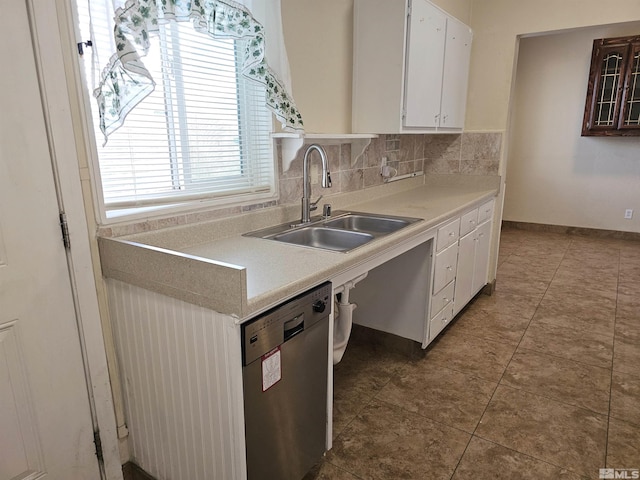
pixel 342 232
pixel 327 238
pixel 367 223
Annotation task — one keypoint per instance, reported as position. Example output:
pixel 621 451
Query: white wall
pixel 555 176
pixel 496 25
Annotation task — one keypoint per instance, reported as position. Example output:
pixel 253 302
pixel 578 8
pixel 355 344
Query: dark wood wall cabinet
pixel 613 95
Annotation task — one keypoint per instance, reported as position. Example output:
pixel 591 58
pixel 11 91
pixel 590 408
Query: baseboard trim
pixel 131 471
pixel 577 231
pixel 489 288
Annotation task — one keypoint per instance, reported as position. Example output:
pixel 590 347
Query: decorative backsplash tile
pixel 473 153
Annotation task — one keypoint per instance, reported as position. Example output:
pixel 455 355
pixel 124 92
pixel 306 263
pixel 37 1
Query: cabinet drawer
pixel 440 321
pixel 468 222
pixel 441 299
pixel 448 234
pixel 485 212
pixel 445 267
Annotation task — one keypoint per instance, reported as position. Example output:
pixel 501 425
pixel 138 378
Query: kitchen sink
pixel 367 223
pixel 327 238
pixel 342 232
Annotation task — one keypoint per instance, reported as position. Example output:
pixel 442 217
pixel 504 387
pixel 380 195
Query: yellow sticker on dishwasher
pixel 271 369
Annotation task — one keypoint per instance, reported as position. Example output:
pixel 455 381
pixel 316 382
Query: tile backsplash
pixel 473 153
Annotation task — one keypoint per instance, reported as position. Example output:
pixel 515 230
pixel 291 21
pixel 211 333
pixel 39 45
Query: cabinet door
pixel 630 110
pixel 423 65
pixel 465 271
pixel 456 74
pixel 483 247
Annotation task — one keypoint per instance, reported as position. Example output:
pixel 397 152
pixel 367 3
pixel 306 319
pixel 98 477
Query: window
pixel 613 95
pixel 203 134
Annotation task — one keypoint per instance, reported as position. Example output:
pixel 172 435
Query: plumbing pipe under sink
pixel 343 319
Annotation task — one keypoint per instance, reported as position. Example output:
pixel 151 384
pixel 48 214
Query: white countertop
pixel 214 266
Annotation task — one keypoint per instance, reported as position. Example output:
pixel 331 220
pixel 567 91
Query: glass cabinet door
pixel 613 94
pixel 608 89
pixel 630 115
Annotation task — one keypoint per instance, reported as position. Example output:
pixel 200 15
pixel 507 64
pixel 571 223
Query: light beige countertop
pixel 211 264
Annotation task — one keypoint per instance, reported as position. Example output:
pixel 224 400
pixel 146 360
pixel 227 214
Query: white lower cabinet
pixel 464 274
pixel 473 262
pixel 461 264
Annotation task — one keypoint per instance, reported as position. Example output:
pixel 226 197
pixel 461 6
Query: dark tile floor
pixel 541 380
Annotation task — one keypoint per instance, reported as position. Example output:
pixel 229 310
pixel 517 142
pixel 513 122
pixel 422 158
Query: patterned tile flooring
pixel 541 380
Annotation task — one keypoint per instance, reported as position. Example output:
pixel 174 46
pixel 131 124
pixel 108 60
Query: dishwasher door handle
pixel 293 327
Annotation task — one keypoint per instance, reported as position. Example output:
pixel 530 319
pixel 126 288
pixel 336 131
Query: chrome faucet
pixel 307 205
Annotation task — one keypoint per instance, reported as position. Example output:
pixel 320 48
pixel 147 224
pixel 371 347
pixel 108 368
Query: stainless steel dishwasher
pixel 284 374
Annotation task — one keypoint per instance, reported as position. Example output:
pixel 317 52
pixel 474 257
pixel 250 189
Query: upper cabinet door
pixel 630 111
pixel 424 63
pixel 456 74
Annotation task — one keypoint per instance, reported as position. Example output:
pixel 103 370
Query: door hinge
pixel 98 443
pixel 64 226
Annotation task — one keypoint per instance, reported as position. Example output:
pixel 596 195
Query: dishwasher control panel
pixel 276 326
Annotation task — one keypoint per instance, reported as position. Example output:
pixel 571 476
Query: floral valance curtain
pixel 125 81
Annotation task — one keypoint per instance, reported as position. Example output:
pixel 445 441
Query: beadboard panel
pixel 182 377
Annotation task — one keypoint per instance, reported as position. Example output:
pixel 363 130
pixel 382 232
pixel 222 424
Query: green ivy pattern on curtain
pixel 125 81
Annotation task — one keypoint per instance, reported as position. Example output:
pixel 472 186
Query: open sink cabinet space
pixel 179 298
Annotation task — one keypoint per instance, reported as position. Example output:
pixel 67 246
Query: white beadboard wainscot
pixel 171 350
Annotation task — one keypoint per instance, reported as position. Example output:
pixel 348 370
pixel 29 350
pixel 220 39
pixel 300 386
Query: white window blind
pixel 203 133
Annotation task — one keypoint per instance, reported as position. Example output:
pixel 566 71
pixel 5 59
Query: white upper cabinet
pixel 411 66
pixel 455 74
pixel 423 65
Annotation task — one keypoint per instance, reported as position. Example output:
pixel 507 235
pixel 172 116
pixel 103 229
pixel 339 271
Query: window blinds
pixel 204 131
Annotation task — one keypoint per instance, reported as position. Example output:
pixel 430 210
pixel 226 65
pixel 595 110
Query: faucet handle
pixel 314 205
pixel 326 210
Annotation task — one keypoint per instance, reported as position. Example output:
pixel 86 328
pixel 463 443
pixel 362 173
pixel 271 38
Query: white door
pixel 424 64
pixel 464 274
pixel 456 74
pixel 45 420
pixel 483 252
